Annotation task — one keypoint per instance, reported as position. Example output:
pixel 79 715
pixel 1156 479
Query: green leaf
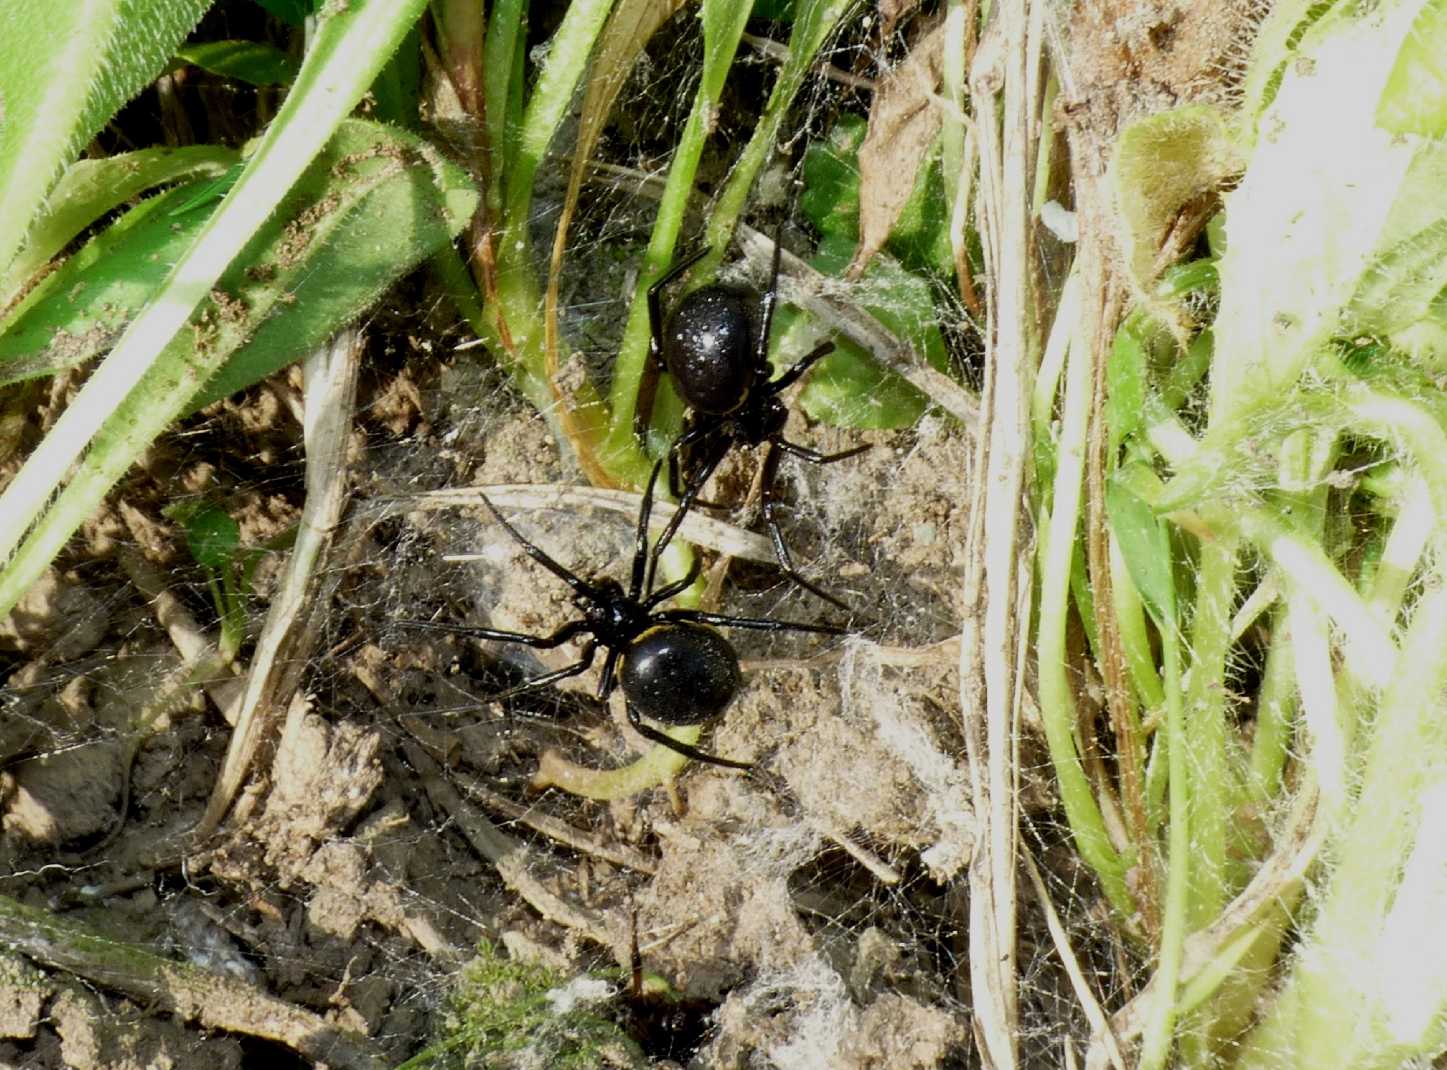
pixel 65 69
pixel 1125 383
pixel 1145 544
pixel 396 89
pixel 371 206
pixel 211 192
pixel 91 188
pixel 1409 269
pixel 1162 163
pixel 1415 98
pixel 78 311
pixel 212 535
pixel 245 61
pixel 848 388
pixel 374 205
pixel 830 198
pixel 154 377
pixel 1304 222
pixel 918 239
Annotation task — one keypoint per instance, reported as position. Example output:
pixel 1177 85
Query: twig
pixel 779 53
pixel 697 528
pixel 512 860
pixel 807 288
pixel 187 991
pixel 619 854
pixel 882 870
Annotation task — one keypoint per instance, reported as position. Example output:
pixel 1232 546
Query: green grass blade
pixel 723 26
pixel 370 209
pixel 91 188
pixel 351 45
pixel 64 70
pixel 245 61
pixel 1057 703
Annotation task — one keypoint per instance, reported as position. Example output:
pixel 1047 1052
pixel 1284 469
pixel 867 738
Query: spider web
pixel 811 916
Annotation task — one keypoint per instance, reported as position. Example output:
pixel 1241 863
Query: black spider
pixel 673 666
pixel 721 370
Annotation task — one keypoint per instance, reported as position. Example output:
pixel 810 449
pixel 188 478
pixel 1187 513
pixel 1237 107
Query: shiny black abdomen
pixel 708 348
pixel 680 673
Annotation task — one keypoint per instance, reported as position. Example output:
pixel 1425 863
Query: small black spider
pixel 721 370
pixel 673 666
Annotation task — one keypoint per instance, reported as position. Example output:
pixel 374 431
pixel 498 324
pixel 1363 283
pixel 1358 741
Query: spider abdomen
pixel 708 349
pixel 680 673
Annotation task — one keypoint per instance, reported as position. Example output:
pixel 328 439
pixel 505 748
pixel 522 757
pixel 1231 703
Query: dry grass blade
pixel 997 565
pixel 629 29
pixel 287 638
pixel 810 290
pixel 620 854
pixel 1094 1013
pixel 515 864
pixel 697 528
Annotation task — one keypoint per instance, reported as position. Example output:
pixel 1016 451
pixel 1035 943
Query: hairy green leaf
pixel 64 70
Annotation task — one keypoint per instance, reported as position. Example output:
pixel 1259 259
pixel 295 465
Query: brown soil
pixel 798 914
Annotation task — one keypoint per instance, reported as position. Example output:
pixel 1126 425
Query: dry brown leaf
pixel 903 123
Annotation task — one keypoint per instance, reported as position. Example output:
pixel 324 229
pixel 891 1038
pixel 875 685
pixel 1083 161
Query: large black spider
pixel 720 367
pixel 673 666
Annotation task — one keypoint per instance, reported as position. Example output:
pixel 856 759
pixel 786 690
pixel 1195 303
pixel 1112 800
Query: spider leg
pixel 776 534
pixel 757 624
pixel 663 594
pixel 537 642
pixel 800 366
pixel 643 402
pixel 699 429
pixel 640 539
pixel 815 457
pixel 571 579
pixel 653 735
pixel 607 680
pixel 768 301
pixel 537 683
pixel 685 503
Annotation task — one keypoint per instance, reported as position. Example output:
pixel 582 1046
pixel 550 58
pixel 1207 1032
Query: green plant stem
pixel 723 27
pixel 1409 426
pixel 518 306
pixel 1337 1008
pixel 813 22
pixel 1211 778
pixel 500 92
pixel 1371 653
pixel 1411 533
pixel 1156 1041
pixel 1057 704
pixel 1275 714
pixel 511 322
